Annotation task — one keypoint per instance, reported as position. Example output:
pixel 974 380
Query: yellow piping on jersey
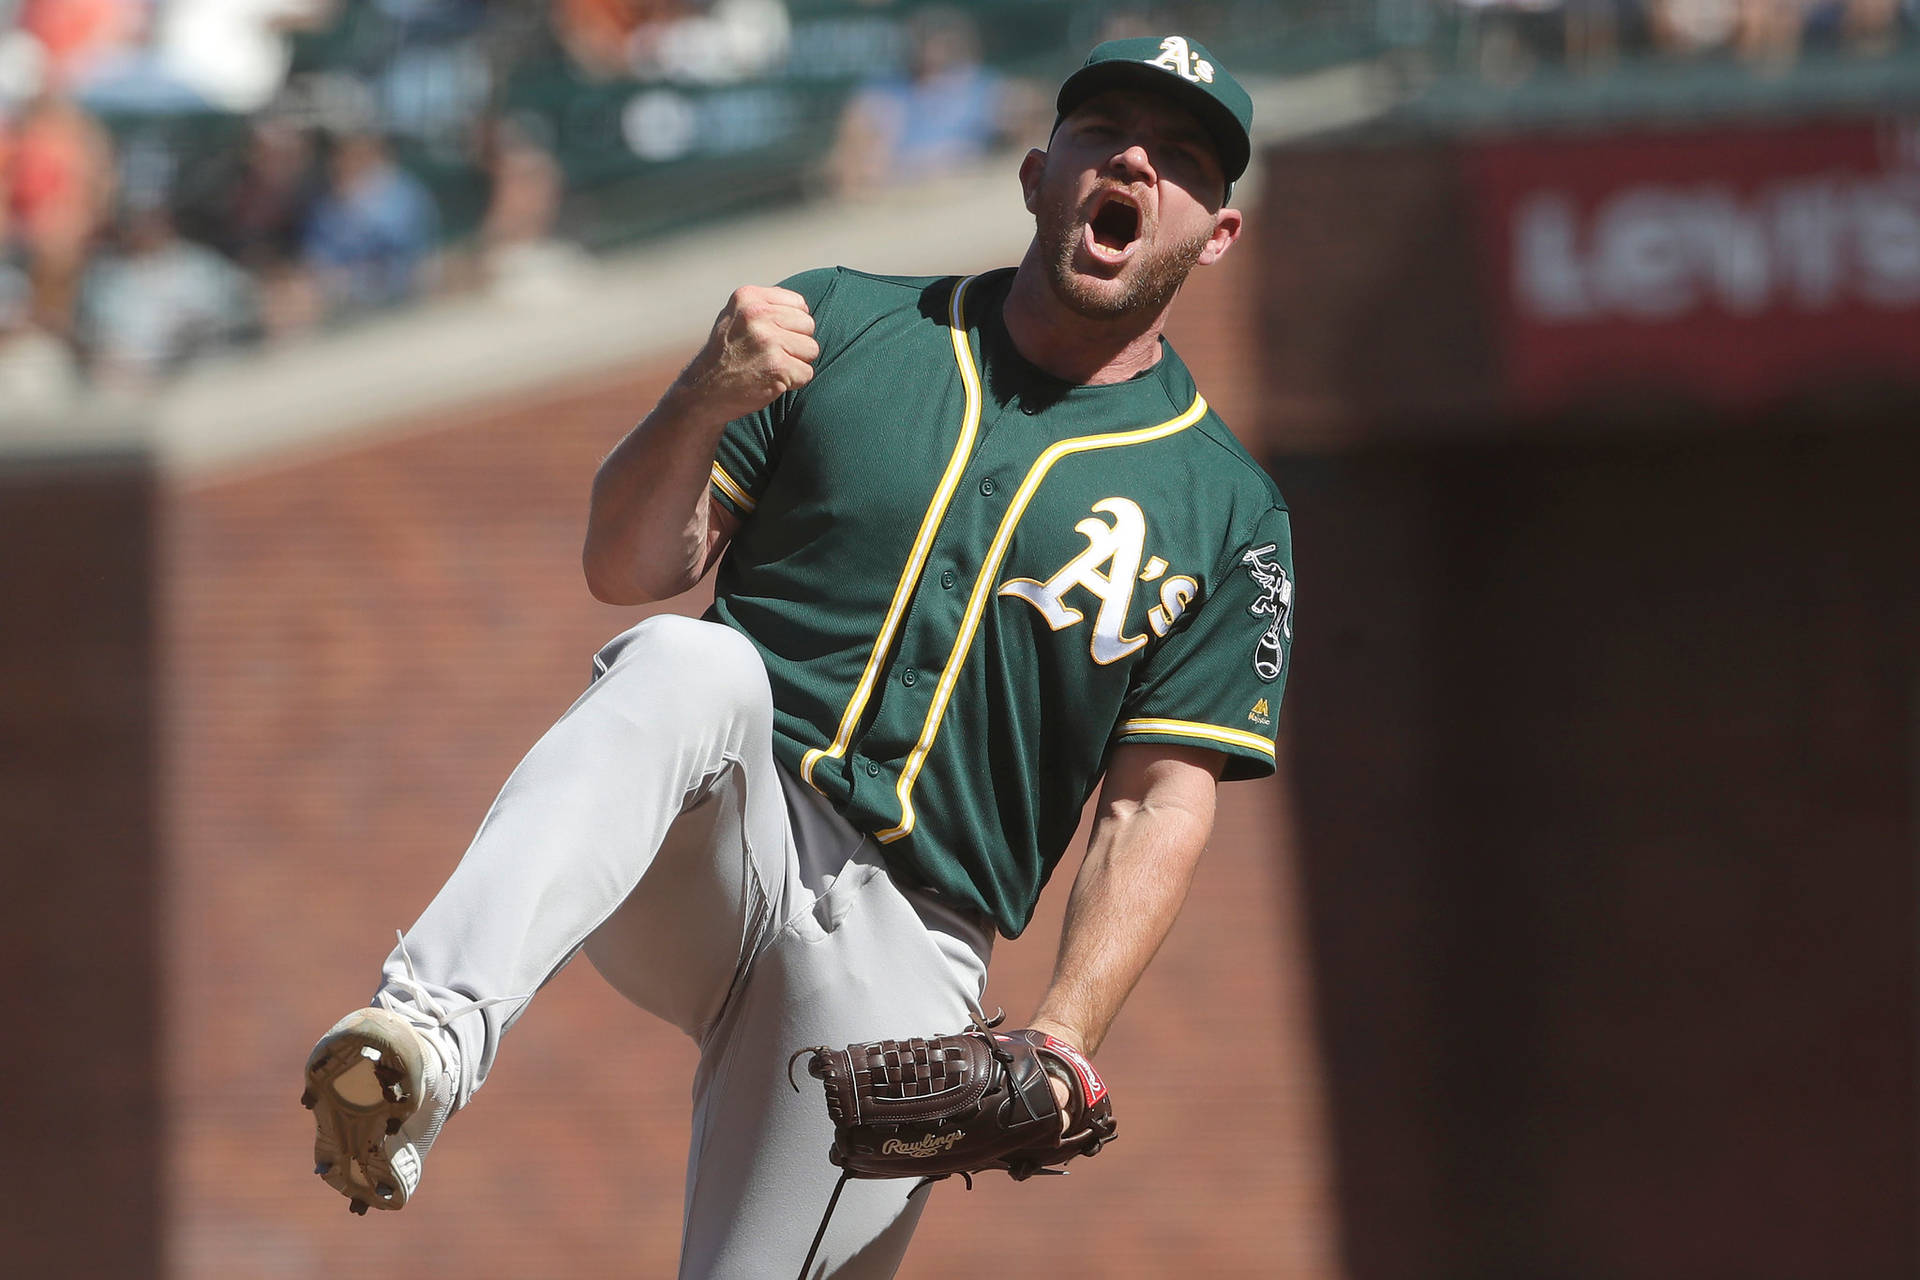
pixel 729 486
pixel 922 542
pixel 1194 729
pixel 983 589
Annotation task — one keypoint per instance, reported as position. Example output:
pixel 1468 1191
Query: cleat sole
pixel 363 1083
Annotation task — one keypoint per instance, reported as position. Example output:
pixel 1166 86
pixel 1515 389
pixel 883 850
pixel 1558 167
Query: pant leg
pixel 660 777
pixel 859 960
pixel 649 827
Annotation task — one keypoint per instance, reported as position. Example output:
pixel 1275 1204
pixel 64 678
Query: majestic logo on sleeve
pixel 1108 570
pixel 1275 601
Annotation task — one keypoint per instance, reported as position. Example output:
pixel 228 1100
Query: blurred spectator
pixel 371 237
pixel 38 374
pixel 235 53
pixel 437 78
pixel 263 216
pixel 732 40
pixel 598 34
pixel 947 110
pixel 77 35
pixel 132 78
pixel 521 257
pixel 1873 26
pixel 1870 28
pixel 261 221
pixel 23 66
pixel 1512 38
pixel 155 300
pixel 706 42
pixel 1768 31
pixel 1597 31
pixel 58 186
pixel 433 19
pixel 318 240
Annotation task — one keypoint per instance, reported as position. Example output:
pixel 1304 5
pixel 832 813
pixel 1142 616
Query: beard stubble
pixel 1147 284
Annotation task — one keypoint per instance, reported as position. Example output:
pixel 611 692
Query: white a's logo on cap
pixel 1177 58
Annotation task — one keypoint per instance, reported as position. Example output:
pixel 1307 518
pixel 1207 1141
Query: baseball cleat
pixel 379 1091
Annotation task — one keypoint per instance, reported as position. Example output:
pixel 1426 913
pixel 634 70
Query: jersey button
pixel 909 676
pixel 1028 407
pixel 987 486
pixel 947 579
pixel 873 769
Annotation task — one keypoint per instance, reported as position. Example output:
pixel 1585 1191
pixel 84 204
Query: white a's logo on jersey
pixel 1176 57
pixel 1108 569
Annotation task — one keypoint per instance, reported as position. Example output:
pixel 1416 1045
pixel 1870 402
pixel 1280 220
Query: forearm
pixel 650 531
pixel 653 527
pixel 1139 864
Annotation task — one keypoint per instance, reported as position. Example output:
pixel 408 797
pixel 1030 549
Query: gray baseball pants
pixel 652 828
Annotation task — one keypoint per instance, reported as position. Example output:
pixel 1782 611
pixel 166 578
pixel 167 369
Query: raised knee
pixel 700 644
pixel 669 647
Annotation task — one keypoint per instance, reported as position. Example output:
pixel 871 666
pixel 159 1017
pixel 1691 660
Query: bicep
pixel 722 524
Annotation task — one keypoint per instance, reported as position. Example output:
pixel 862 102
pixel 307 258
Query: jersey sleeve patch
pixel 1274 604
pixel 1218 682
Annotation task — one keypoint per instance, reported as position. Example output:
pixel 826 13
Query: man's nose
pixel 1135 163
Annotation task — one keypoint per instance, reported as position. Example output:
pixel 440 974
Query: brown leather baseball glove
pixel 961 1104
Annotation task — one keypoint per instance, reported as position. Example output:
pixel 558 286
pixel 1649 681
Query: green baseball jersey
pixel 971 580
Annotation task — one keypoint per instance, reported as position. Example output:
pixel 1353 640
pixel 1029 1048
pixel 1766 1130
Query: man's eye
pixel 1187 159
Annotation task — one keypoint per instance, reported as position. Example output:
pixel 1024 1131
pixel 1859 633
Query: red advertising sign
pixel 1733 264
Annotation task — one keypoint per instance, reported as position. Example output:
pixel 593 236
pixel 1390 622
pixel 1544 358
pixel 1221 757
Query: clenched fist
pixel 761 347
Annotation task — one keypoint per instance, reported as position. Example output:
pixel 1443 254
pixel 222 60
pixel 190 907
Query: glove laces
pixel 834 1200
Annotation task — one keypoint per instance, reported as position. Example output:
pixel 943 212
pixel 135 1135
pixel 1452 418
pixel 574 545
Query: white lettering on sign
pixel 1659 252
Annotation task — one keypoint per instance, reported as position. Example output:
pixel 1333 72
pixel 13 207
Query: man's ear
pixel 1033 166
pixel 1226 230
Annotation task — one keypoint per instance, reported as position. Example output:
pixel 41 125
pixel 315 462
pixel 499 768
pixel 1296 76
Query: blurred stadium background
pixel 1576 938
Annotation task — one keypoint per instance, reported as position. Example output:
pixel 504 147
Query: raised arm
pixel 652 527
pixel 1155 814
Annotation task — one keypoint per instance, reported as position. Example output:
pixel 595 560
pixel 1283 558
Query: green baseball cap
pixel 1182 69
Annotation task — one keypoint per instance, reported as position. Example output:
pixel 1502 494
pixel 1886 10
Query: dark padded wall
pixel 1605 756
pixel 80 1072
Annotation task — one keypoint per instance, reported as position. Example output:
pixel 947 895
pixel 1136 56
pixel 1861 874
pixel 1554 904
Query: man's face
pixel 1126 201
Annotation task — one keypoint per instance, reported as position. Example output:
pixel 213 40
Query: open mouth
pixel 1114 229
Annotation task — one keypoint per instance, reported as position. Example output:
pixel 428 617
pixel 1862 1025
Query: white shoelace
pixel 409 997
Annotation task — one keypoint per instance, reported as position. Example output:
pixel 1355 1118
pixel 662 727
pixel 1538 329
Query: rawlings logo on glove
pixel 960 1104
pixel 932 1145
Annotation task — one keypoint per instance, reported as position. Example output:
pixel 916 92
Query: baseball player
pixel 983 547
